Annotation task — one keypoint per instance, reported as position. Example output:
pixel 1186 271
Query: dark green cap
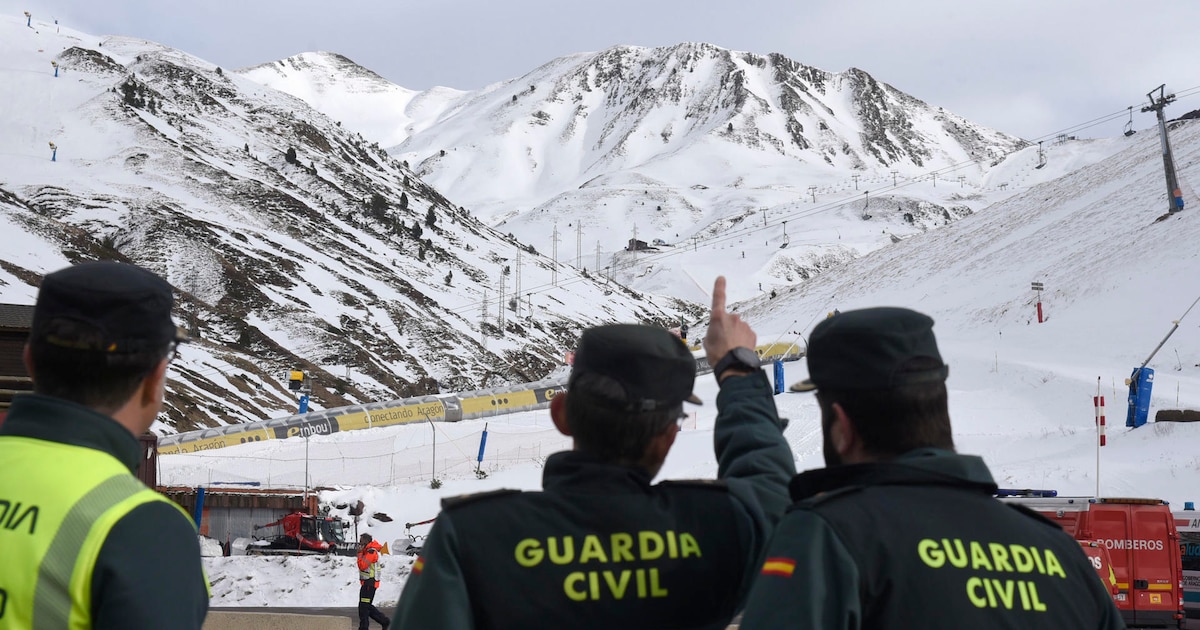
pixel 129 307
pixel 872 348
pixel 633 368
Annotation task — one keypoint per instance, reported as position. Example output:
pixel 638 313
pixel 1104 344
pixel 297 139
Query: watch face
pixel 747 356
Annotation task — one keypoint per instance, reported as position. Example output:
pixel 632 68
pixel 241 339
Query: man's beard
pixel 832 458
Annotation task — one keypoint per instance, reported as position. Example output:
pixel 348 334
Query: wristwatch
pixel 741 358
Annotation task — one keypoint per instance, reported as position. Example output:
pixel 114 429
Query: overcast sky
pixel 1026 67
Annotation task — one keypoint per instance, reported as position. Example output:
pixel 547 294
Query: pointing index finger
pixel 718 297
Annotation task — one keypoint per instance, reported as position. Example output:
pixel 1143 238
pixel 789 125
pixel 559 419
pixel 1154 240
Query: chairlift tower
pixel 1174 195
pixel 517 288
pixel 554 256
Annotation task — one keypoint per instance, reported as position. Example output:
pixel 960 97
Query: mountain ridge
pixel 293 242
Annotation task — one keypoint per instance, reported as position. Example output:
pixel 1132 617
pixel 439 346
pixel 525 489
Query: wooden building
pixel 15 322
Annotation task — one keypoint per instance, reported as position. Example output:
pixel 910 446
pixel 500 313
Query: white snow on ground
pixel 1020 392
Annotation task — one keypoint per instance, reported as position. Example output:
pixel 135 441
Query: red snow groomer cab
pixel 300 533
pixel 1141 540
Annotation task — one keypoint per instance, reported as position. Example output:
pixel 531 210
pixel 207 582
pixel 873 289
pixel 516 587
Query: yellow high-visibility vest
pixel 58 503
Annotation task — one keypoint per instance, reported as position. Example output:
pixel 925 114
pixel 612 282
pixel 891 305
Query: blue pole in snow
pixel 482 445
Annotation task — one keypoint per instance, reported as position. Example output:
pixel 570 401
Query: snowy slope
pixel 340 261
pixel 1020 392
pixel 693 144
pixel 355 96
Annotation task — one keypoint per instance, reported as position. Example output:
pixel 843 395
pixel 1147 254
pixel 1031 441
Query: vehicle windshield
pixel 332 531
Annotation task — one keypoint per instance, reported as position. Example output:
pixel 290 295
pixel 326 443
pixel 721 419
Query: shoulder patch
pixel 708 484
pixel 464 499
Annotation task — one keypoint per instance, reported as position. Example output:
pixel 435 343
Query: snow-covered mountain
pixel 792 168
pixel 293 242
pixel 350 94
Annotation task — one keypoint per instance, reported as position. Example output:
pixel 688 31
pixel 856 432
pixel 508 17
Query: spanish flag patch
pixel 418 566
pixel 783 567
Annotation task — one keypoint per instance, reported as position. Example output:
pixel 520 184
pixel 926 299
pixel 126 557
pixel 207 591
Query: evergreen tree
pixel 416 230
pixel 449 277
pixel 404 201
pixel 128 93
pixel 290 157
pixel 430 217
pixel 378 206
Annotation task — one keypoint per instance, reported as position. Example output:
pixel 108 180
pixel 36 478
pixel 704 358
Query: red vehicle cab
pixel 1142 542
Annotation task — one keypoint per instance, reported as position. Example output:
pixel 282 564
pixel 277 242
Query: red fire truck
pixel 1142 541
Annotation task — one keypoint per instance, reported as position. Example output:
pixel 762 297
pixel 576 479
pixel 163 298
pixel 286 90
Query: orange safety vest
pixel 368 563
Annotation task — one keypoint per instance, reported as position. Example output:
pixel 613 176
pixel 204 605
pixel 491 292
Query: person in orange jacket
pixel 368 578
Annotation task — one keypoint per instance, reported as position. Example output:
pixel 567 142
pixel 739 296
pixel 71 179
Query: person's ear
pixel 155 384
pixel 558 413
pixel 842 434
pixel 657 449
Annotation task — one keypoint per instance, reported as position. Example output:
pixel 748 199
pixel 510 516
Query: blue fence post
pixel 779 377
pixel 479 460
pixel 483 444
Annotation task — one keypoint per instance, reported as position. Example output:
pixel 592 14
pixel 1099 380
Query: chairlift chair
pixel 1129 125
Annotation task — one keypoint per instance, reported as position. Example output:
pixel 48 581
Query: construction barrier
pixel 437 408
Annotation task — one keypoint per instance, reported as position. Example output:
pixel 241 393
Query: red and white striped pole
pixel 1038 286
pixel 1098 403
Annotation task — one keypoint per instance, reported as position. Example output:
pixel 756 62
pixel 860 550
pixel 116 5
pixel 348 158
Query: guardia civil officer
pixel 601 546
pixel 85 544
pixel 899 531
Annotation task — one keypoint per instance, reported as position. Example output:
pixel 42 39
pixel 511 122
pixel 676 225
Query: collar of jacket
pixel 57 420
pixel 923 466
pixel 583 473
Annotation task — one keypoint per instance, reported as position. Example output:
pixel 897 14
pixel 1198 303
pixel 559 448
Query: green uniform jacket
pixel 148 573
pixel 920 542
pixel 600 547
